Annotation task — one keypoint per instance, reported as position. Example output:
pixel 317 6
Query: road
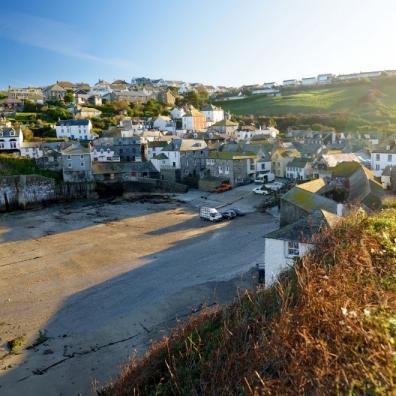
pixel 102 280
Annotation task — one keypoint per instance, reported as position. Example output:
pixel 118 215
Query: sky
pixel 219 42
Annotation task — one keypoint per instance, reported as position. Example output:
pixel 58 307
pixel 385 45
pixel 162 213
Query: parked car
pixel 224 186
pixel 211 214
pixel 261 191
pixel 238 212
pixel 229 214
pixel 275 186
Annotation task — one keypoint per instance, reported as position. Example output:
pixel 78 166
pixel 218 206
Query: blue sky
pixel 221 42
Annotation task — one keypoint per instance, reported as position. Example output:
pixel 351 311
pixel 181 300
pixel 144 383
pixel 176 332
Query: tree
pixel 69 96
pixel 272 123
pixel 27 134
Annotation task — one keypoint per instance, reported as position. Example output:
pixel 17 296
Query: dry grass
pixel 328 327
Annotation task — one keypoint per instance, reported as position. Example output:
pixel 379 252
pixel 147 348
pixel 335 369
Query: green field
pixel 365 104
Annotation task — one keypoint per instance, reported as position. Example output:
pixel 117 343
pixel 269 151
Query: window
pixel 292 249
pixel 81 157
pixel 69 165
pixel 389 157
pixel 69 157
pixel 82 164
pixel 377 167
pixel 377 157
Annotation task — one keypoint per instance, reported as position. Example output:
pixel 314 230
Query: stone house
pixel 167 98
pixel 76 164
pixel 235 168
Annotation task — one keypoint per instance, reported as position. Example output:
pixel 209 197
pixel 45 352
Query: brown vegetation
pixel 328 327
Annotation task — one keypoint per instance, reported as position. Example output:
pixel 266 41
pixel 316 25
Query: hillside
pixel 365 104
pixel 329 327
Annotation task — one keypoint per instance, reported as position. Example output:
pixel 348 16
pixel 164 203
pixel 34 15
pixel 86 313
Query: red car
pixel 222 188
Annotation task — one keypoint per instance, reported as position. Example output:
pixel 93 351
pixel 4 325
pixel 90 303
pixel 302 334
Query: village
pixel 133 226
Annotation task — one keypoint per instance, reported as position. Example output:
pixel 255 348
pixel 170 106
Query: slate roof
pixel 304 230
pixel 333 159
pixel 185 145
pixel 309 201
pixel 161 156
pixel 75 149
pixel 391 149
pixel 9 132
pixel 298 163
pixel 72 122
pixel 313 186
pixel 225 123
pixel 210 107
pixel 99 168
pixel 225 155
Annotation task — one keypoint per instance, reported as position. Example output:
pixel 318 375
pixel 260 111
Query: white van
pixel 262 178
pixel 211 214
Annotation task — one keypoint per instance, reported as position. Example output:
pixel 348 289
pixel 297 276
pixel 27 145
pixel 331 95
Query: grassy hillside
pixel 363 104
pixel 329 327
pixel 11 165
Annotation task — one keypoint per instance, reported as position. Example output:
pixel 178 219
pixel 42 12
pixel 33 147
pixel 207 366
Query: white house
pixel 309 81
pixel 250 134
pixel 184 88
pixel 103 153
pixel 283 246
pixel 75 129
pixel 213 114
pixel 175 147
pixel 266 91
pixel 290 83
pixel 177 113
pixel 324 79
pixel 11 139
pixel 101 88
pixel 31 150
pixel 372 74
pixel 164 123
pixel 381 158
pixel 299 169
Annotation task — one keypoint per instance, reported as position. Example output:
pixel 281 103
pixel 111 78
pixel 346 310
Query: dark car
pixel 229 214
pixel 238 212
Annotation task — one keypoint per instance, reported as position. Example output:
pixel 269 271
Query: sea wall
pixel 23 192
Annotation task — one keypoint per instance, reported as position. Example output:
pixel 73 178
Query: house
pixel 370 75
pixel 164 123
pixel 309 81
pixel 167 98
pixel 86 112
pixel 388 178
pixel 269 85
pixel 11 139
pixel 117 172
pixel 225 126
pixel 184 88
pixel 32 150
pixel 266 91
pixel 115 149
pixel 304 199
pixel 102 151
pixel 50 159
pixel 101 88
pixel 324 79
pixel 154 148
pixel 10 106
pixel 177 113
pixel 175 149
pixel 299 169
pixel 128 96
pixel 235 168
pixel 54 92
pixel 76 164
pixel 282 247
pixel 323 165
pixel 31 94
pixel 193 120
pixel 290 83
pixel 382 157
pixel 75 129
pixel 246 133
pixel 348 77
pixel 213 114
pixel 280 158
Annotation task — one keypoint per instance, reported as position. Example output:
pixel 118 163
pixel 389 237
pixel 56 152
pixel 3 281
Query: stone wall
pixel 23 192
